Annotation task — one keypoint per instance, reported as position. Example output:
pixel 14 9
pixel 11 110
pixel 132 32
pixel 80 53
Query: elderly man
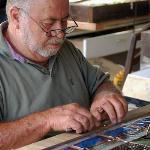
pixel 46 85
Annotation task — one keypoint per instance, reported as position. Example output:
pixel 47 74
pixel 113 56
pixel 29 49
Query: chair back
pixel 133 56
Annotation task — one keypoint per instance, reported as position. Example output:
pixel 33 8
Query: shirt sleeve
pixel 93 76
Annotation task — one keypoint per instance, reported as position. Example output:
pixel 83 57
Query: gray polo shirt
pixel 26 87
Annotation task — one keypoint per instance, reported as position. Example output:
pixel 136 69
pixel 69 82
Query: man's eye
pixel 64 22
pixel 47 26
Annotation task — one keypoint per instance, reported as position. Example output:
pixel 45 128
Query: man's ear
pixel 14 16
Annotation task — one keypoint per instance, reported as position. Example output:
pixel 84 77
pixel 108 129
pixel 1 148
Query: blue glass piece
pixel 115 132
pixel 89 143
pixel 143 122
pixel 128 129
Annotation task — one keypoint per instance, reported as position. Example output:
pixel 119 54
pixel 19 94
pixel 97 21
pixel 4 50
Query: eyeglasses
pixel 54 32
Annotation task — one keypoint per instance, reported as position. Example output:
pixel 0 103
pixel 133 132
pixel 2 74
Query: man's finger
pixel 87 114
pixel 84 121
pixel 95 112
pixel 76 126
pixel 124 103
pixel 119 108
pixel 109 109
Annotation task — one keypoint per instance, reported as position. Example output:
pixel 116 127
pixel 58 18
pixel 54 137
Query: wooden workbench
pixel 134 114
pixel 111 24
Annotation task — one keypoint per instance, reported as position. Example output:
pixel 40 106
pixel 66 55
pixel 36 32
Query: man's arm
pixel 33 127
pixel 24 131
pixel 110 100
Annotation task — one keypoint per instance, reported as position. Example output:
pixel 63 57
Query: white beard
pixel 45 52
pixel 31 43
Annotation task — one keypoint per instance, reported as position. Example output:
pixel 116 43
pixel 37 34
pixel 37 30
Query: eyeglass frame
pixel 48 33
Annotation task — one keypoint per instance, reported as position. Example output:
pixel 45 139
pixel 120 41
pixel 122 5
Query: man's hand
pixel 31 128
pixel 111 102
pixel 71 116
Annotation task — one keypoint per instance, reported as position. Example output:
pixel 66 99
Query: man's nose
pixel 60 34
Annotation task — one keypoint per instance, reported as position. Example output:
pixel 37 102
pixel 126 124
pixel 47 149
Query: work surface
pixel 134 114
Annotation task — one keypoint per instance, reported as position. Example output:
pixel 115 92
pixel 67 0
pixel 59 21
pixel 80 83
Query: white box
pixel 137 85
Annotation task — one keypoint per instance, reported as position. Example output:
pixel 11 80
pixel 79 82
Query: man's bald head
pixel 25 4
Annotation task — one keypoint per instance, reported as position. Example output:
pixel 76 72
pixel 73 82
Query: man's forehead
pixel 54 18
pixel 50 7
pixel 50 3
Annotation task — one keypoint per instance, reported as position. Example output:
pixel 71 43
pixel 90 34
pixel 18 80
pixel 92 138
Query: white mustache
pixel 55 41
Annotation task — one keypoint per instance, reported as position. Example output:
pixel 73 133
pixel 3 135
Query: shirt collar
pixel 5 46
pixel 14 54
